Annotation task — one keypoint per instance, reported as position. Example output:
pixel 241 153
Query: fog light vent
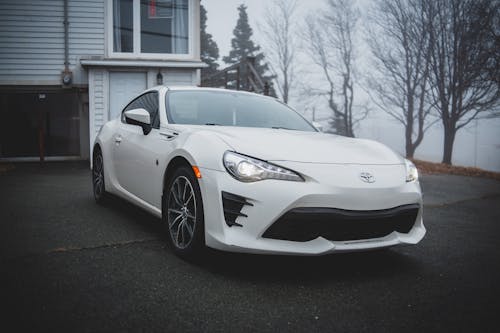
pixel 232 205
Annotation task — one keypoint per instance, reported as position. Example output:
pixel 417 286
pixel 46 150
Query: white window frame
pixel 137 54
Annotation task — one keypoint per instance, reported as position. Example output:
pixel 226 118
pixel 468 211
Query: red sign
pixel 160 9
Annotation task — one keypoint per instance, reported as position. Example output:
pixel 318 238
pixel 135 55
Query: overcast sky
pixel 221 20
pixel 477 145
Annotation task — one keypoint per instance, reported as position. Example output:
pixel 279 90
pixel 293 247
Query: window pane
pixel 123 26
pixel 164 26
pixel 149 102
pixel 151 105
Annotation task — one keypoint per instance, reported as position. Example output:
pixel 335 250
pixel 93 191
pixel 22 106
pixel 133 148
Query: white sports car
pixel 242 172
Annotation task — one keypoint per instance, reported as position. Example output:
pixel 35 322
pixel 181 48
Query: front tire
pixel 182 214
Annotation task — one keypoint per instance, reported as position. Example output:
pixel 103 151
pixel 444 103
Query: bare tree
pixel 464 63
pixel 280 42
pixel 329 40
pixel 399 40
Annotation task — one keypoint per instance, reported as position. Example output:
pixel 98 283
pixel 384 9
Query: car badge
pixel 367 177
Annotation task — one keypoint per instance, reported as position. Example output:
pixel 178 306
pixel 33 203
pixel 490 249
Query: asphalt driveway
pixel 68 264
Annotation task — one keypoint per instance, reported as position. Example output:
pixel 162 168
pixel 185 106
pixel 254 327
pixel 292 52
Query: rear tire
pixel 99 187
pixel 182 214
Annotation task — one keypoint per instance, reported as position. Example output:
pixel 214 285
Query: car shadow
pixel 265 268
pixel 340 266
pixel 134 214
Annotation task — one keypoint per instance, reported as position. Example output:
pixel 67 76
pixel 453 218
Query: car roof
pixel 191 88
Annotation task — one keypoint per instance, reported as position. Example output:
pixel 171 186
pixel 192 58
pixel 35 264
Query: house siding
pixel 32 39
pixel 32 55
pixel 179 77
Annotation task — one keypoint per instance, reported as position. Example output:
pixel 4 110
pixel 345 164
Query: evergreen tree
pixel 243 46
pixel 209 49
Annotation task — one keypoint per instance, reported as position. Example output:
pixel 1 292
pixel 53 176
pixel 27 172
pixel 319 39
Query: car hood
pixel 298 146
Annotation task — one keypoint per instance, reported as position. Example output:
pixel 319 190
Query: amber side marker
pixel 197 172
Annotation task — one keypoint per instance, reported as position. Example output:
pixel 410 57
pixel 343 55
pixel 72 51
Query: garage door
pixel 39 123
pixel 122 88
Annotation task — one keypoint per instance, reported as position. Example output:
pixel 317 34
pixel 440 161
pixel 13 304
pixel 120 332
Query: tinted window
pixel 149 102
pixel 164 26
pixel 122 26
pixel 232 109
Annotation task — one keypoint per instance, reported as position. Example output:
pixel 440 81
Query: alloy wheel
pixel 181 212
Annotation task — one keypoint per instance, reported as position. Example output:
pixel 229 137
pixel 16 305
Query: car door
pixel 136 154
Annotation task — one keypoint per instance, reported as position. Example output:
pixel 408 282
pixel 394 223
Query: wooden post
pixel 247 78
pixel 238 78
pixel 266 88
pixel 41 136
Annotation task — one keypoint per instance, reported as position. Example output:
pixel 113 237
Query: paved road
pixel 70 265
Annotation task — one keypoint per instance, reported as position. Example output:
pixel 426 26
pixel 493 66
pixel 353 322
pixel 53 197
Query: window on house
pixel 123 30
pixel 163 26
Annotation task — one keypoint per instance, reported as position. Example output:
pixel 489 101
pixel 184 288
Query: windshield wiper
pixel 285 128
pixel 212 124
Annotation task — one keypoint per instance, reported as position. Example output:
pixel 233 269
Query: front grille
pixel 232 205
pixel 304 224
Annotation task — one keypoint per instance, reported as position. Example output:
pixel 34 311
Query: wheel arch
pixel 173 164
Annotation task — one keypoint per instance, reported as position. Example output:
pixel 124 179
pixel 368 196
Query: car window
pixel 149 102
pixel 232 109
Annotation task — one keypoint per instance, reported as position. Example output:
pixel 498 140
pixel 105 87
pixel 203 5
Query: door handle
pixel 118 139
pixel 169 135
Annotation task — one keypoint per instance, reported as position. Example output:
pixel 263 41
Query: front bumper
pixel 339 188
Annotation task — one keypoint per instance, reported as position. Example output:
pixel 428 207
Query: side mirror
pixel 139 117
pixel 318 126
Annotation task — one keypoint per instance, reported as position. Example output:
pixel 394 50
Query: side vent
pixel 232 205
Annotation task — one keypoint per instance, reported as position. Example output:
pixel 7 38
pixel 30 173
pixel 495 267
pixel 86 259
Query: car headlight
pixel 411 171
pixel 248 169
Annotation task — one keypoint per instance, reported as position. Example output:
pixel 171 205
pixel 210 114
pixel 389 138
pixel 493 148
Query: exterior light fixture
pixel 159 78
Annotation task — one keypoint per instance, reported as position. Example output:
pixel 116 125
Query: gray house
pixel 68 66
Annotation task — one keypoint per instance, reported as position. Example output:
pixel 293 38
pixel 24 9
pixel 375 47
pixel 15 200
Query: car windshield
pixel 232 109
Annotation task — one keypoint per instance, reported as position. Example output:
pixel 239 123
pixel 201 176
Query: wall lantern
pixel 159 78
